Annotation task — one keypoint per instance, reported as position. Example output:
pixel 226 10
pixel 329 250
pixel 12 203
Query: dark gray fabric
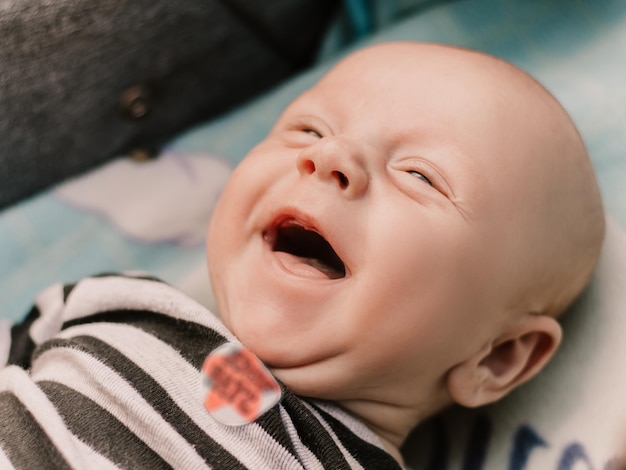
pixel 83 81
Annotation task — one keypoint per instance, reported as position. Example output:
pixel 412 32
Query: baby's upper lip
pixel 300 234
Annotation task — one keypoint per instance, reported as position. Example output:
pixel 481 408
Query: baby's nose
pixel 338 161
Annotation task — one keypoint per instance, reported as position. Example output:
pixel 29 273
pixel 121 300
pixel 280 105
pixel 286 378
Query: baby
pixel 404 239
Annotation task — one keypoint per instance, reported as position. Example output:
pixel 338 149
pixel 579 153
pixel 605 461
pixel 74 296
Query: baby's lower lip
pixel 301 267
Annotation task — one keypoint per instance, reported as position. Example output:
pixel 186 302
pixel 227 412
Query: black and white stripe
pixel 114 382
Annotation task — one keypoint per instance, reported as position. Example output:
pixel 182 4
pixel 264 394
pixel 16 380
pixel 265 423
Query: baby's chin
pixel 279 353
pixel 298 361
pixel 315 380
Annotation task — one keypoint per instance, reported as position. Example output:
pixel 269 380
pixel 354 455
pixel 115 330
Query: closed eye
pixel 312 132
pixel 420 176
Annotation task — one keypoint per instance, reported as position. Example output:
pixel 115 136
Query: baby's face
pixel 363 244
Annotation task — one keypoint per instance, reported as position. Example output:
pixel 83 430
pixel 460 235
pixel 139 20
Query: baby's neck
pixel 392 424
pixel 392 448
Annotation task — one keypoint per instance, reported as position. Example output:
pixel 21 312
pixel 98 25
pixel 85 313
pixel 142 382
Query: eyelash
pixel 312 132
pixel 420 176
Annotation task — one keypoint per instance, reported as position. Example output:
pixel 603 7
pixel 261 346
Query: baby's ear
pixel 517 355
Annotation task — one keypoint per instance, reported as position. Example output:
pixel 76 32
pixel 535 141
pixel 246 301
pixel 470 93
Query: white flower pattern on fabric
pixel 169 199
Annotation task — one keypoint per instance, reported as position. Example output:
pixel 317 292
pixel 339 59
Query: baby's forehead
pixel 401 76
pixel 451 85
pixel 422 60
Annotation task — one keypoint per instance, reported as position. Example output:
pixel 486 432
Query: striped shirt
pixel 105 373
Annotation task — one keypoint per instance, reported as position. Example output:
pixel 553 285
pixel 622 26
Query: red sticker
pixel 238 387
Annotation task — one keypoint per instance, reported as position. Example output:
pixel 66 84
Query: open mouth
pixel 307 247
